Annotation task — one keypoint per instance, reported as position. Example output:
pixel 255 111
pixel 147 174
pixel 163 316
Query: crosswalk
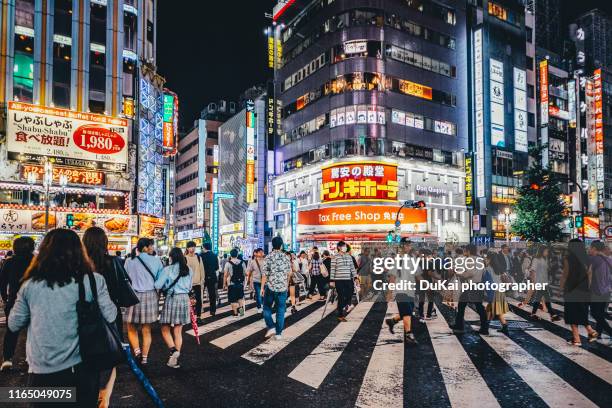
pixel 534 366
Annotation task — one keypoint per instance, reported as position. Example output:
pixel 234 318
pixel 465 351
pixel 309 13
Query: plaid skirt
pixel 176 309
pixel 146 311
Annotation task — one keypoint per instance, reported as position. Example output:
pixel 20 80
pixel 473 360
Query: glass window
pixel 61 75
pixel 23 69
pixel 62 23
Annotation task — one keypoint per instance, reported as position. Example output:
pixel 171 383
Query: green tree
pixel 539 208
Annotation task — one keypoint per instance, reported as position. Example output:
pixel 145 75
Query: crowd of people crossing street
pixel 193 292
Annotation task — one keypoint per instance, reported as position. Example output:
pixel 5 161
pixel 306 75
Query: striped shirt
pixel 342 267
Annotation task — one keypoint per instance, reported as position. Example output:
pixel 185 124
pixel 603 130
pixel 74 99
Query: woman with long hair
pixel 175 282
pixel 575 286
pixel 539 274
pixel 96 244
pixel 46 305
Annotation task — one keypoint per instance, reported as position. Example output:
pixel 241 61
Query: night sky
pixel 211 50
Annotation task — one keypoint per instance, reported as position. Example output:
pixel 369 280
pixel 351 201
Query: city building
pixel 499 119
pixel 596 36
pixel 81 108
pixel 374 112
pixel 196 166
pixel 549 28
pixel 238 217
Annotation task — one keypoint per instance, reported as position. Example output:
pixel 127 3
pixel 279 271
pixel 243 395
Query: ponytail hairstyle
pixel 177 257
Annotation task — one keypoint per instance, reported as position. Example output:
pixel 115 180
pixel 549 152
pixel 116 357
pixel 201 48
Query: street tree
pixel 539 208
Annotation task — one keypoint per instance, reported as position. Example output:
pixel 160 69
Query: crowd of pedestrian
pixel 145 290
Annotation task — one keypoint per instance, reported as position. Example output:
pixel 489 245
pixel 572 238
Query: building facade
pixel 499 118
pixel 238 216
pixel 384 84
pixel 196 167
pixel 82 112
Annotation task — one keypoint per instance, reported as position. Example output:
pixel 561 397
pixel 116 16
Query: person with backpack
pixel 234 283
pixel 47 305
pixel 11 274
pixel 600 273
pixel 276 273
pixel 143 270
pixel 317 279
pixel 175 282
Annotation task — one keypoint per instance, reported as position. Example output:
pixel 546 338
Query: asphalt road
pixel 321 362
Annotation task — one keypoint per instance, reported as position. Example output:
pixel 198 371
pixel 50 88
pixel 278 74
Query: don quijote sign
pixel 70 138
pixel 430 191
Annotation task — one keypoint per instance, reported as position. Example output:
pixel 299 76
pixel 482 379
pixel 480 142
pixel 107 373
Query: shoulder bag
pixel 125 294
pixel 99 341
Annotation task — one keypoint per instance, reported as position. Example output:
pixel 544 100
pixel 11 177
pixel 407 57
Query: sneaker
pixel 293 310
pixel 593 337
pixel 421 320
pixel 555 318
pixel 6 365
pixel 341 319
pixel 144 360
pixel 278 336
pixel 269 333
pixel 504 330
pixel 259 309
pixel 409 339
pixel 457 330
pixel 484 332
pixel 391 323
pixel 173 360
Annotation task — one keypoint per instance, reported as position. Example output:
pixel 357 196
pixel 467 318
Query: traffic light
pixel 70 220
pixel 390 236
pixel 571 222
pixel 579 221
pixel 414 204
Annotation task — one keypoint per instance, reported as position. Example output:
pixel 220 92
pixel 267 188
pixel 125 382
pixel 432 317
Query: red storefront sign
pixel 74 176
pixel 359 181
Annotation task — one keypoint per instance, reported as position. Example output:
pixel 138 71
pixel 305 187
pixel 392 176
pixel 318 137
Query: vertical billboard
pixel 595 148
pixel 496 85
pixel 520 110
pixel 250 151
pixel 479 111
pixel 169 112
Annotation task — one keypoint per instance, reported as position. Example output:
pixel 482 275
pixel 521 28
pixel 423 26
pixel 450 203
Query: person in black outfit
pixel 211 266
pixel 10 280
pixel 96 245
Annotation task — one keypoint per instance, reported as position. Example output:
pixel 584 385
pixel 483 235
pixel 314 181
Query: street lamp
pixel 293 212
pixel 505 217
pixel 47 181
pixel 31 178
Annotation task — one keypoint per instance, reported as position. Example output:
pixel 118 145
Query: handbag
pixel 99 341
pixel 126 296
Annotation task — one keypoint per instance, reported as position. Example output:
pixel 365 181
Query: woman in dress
pixel 539 275
pixel 175 282
pixel 498 307
pixel 575 286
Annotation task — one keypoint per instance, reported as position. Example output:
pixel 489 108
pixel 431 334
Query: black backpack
pixel 237 274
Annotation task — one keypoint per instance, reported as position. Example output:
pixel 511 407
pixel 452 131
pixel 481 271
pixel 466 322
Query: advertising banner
pixel 151 227
pixel 375 217
pixel 71 138
pixel 110 223
pixel 359 181
pixel 21 221
pixel 74 176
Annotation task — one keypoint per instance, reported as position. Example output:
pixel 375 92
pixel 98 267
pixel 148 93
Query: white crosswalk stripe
pixel 464 384
pixel 381 377
pixel 272 346
pixel 585 359
pixel 386 366
pixel 217 324
pixel 314 368
pixel 549 386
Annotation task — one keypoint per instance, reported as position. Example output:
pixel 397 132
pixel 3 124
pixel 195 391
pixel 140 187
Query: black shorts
pixel 405 304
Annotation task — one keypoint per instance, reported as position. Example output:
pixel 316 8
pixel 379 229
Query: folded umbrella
pixel 194 323
pixel 141 377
